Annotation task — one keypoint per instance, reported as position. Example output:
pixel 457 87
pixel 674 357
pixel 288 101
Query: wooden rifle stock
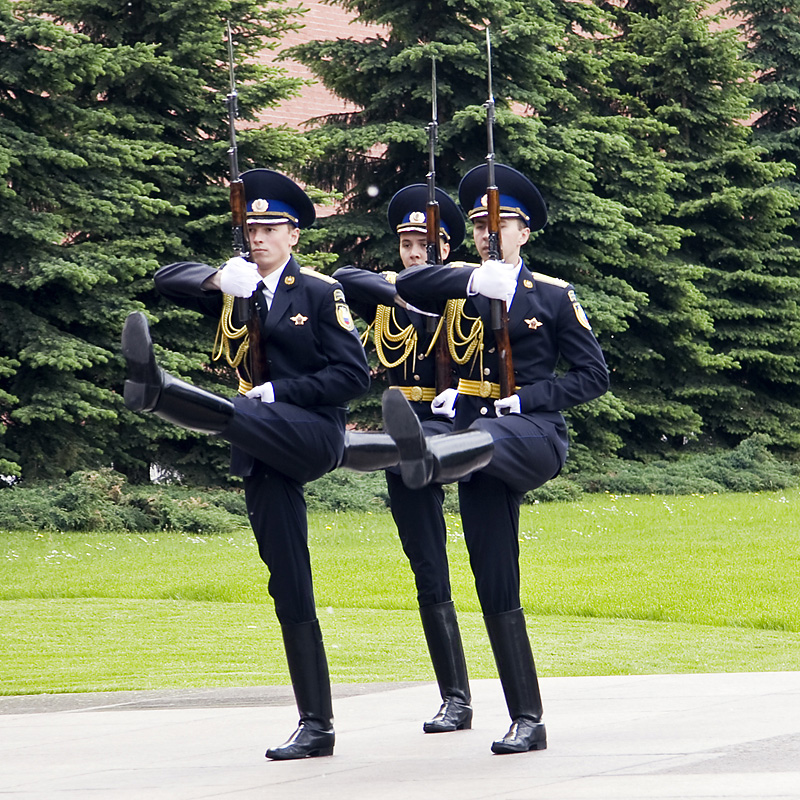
pixel 441 352
pixel 499 310
pixel 245 311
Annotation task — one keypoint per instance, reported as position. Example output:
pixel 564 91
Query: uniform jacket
pixel 546 322
pixel 314 356
pixel 366 291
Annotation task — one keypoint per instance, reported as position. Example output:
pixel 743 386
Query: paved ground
pixel 652 736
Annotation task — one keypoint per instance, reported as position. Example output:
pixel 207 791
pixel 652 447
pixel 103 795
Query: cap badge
pixel 260 205
pixel 485 201
pixel 416 217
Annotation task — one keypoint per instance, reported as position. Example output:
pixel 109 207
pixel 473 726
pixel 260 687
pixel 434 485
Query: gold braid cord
pixel 227 333
pixel 390 339
pixel 463 346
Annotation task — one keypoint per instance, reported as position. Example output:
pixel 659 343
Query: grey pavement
pixel 640 736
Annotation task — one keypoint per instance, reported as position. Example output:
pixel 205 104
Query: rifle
pixel 245 310
pixel 433 243
pixel 499 309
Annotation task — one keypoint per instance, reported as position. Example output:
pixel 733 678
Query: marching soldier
pixel 285 431
pixel 405 341
pixel 545 322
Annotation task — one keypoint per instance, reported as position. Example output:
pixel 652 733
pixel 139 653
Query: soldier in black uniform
pixel 284 432
pixel 546 323
pixel 405 340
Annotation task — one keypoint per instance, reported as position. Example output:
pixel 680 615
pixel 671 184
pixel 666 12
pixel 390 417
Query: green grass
pixel 611 585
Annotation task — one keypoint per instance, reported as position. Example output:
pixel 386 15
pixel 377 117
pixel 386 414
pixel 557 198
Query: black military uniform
pixel 405 341
pixel 315 365
pixel 546 322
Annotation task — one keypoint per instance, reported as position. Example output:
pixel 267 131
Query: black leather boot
pixel 150 388
pixel 508 636
pixel 368 451
pixel 440 624
pixel 440 459
pixel 308 668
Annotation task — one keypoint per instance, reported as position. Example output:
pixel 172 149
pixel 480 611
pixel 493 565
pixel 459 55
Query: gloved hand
pixel 507 405
pixel 239 277
pixel 264 391
pixel 494 279
pixel 444 404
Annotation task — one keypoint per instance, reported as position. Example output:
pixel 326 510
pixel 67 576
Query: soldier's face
pixel 271 245
pixel 413 249
pixel 513 234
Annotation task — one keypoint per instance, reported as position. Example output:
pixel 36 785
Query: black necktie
pixel 263 309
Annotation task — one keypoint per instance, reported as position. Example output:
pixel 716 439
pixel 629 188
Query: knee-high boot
pixel 440 624
pixel 150 388
pixel 432 459
pixel 369 451
pixel 508 636
pixel 308 668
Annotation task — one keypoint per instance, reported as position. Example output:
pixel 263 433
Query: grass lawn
pixel 611 585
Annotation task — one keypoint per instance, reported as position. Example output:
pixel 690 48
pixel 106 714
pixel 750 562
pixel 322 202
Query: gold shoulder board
pixel 314 274
pixel 552 281
pixel 459 264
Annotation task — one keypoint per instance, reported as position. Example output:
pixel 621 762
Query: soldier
pixel 405 341
pixel 546 322
pixel 286 431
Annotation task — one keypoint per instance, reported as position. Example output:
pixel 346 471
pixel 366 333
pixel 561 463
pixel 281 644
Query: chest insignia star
pixel 533 323
pixel 299 319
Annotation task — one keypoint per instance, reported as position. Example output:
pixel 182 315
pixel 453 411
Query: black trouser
pixel 421 527
pixel 524 458
pixel 293 445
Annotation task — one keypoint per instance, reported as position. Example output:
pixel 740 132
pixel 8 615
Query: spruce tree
pixel 561 121
pixel 146 126
pixel 736 213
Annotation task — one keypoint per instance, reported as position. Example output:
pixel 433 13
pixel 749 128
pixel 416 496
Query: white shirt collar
pixel 271 282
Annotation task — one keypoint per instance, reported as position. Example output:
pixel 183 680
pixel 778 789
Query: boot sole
pixel 143 384
pixel 402 424
pixel 319 753
pixel 464 726
pixel 502 750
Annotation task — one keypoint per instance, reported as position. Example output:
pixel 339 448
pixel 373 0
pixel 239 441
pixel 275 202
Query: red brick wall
pixel 321 22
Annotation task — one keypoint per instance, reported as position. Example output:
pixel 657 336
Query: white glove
pixel 444 404
pixel 507 405
pixel 264 391
pixel 239 277
pixel 494 279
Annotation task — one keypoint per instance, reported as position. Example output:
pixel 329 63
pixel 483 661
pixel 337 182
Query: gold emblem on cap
pixel 299 319
pixel 260 205
pixel 289 280
pixel 416 393
pixel 485 201
pixel 485 389
pixel 416 217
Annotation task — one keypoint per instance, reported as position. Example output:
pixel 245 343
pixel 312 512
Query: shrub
pixel 750 467
pixel 344 490
pixel 100 500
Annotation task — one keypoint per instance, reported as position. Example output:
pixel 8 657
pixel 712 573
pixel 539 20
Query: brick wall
pixel 321 22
